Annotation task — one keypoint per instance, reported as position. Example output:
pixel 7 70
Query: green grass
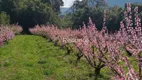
pixel 29 57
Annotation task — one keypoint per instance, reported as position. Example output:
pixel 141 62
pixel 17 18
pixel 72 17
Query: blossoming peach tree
pixel 131 39
pixel 103 49
pixel 7 33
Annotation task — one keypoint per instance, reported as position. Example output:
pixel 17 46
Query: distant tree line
pixel 81 10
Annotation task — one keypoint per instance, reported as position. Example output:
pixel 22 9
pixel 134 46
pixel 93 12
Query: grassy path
pixel 28 57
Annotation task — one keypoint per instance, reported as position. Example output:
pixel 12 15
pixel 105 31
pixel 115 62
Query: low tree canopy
pixel 29 13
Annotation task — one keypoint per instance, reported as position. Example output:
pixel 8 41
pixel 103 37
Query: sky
pixel 68 3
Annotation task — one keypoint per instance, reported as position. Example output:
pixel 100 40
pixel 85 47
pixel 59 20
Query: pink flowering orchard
pixel 16 28
pixel 96 46
pixel 65 38
pixel 101 48
pixel 7 33
pixel 132 38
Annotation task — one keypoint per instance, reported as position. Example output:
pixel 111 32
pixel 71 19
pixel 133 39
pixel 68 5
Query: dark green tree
pixel 29 13
pixel 84 3
pixel 4 18
pixel 81 16
pixel 114 16
pixel 55 4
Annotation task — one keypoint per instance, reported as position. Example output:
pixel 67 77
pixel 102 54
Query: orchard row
pixel 8 32
pixel 117 51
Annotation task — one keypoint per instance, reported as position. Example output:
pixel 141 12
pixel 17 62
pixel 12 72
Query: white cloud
pixel 68 3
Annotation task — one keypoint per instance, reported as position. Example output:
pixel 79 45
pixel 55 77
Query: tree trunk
pixel 79 56
pixel 97 73
pixel 140 67
pixel 56 43
pixel 68 52
pixel 61 47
